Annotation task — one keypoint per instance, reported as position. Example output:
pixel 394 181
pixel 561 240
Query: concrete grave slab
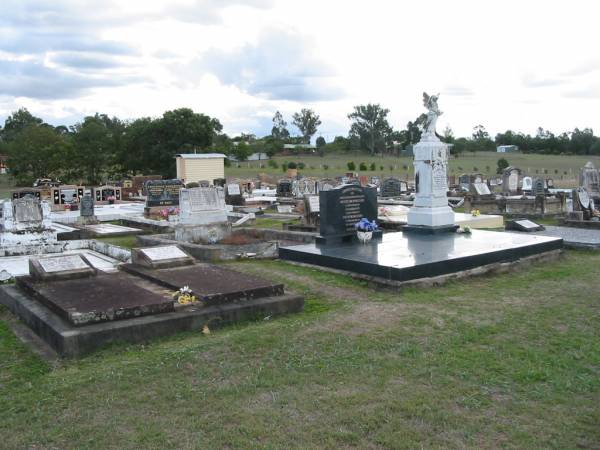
pixel 99 299
pixel 211 284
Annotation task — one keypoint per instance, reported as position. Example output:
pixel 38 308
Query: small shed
pixel 193 167
pixel 507 149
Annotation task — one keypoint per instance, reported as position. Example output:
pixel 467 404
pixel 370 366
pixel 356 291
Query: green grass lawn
pixel 128 241
pixel 275 224
pixel 509 361
pixel 484 162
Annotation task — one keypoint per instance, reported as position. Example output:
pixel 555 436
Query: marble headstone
pixel 201 206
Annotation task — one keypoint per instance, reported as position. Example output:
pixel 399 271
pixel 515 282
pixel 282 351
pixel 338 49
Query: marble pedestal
pixel 430 209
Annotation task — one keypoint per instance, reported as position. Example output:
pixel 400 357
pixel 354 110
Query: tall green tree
pixel 150 145
pixel 279 130
pixel 38 152
pixel 307 122
pixel 94 149
pixel 17 122
pixel 370 126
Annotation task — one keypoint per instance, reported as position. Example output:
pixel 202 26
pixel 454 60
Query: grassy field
pixel 509 361
pixel 484 162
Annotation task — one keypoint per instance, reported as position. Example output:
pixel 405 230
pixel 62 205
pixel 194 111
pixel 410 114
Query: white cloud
pixel 510 64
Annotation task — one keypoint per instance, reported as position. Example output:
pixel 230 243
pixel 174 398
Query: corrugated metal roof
pixel 200 155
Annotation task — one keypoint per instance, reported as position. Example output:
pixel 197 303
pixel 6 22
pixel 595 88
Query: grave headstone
pixel 162 192
pixel 87 206
pixel 589 179
pixel 326 184
pixel 538 187
pixel 311 210
pixel 284 188
pixel 481 189
pixel 28 209
pixel 233 195
pixel 201 206
pixel 510 180
pixel 341 208
pixel 391 187
pixel 527 184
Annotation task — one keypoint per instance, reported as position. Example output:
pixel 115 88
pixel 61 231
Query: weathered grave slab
pixel 211 284
pixel 71 341
pixel 160 257
pixel 103 298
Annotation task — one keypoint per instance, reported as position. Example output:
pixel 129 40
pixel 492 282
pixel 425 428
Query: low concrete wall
pixel 527 206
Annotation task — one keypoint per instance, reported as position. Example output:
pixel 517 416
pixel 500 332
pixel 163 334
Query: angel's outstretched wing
pixel 425 99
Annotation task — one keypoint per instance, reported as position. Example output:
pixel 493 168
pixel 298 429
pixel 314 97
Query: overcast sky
pixel 505 64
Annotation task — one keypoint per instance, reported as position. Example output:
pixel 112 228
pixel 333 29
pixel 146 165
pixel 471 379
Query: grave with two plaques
pixel 76 309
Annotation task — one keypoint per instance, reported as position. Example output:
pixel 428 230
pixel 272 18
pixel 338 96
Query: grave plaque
pixel 523 225
pixel 391 187
pixel 162 192
pixel 160 257
pixel 60 267
pixel 527 183
pixel 344 206
pixel 63 263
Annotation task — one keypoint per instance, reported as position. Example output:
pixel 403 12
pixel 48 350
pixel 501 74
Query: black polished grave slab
pixel 96 299
pixel 410 256
pixel 211 284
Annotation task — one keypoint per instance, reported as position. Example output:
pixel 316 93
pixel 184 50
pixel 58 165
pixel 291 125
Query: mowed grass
pixel 483 162
pixel 508 361
pixel 128 241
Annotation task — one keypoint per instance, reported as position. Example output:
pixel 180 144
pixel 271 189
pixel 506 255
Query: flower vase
pixel 364 236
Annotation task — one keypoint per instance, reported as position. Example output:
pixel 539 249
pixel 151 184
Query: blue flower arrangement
pixel 365 225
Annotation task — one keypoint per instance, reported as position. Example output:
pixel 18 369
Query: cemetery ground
pixel 482 162
pixel 509 360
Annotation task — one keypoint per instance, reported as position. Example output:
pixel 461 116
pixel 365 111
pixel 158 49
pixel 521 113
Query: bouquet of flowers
pixel 364 225
pixel 184 296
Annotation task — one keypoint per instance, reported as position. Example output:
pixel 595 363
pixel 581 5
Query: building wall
pixel 194 170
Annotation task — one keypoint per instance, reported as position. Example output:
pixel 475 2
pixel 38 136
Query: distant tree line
pixel 102 147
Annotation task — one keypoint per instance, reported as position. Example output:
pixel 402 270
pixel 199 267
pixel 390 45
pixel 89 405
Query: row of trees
pixel 102 147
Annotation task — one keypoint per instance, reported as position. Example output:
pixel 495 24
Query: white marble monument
pixel 430 208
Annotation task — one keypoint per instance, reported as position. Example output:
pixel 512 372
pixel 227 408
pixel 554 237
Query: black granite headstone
pixel 538 187
pixel 162 192
pixel 341 208
pixel 391 187
pixel 284 188
pixel 87 206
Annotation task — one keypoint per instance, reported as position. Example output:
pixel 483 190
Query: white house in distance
pixel 507 149
pixel 195 167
